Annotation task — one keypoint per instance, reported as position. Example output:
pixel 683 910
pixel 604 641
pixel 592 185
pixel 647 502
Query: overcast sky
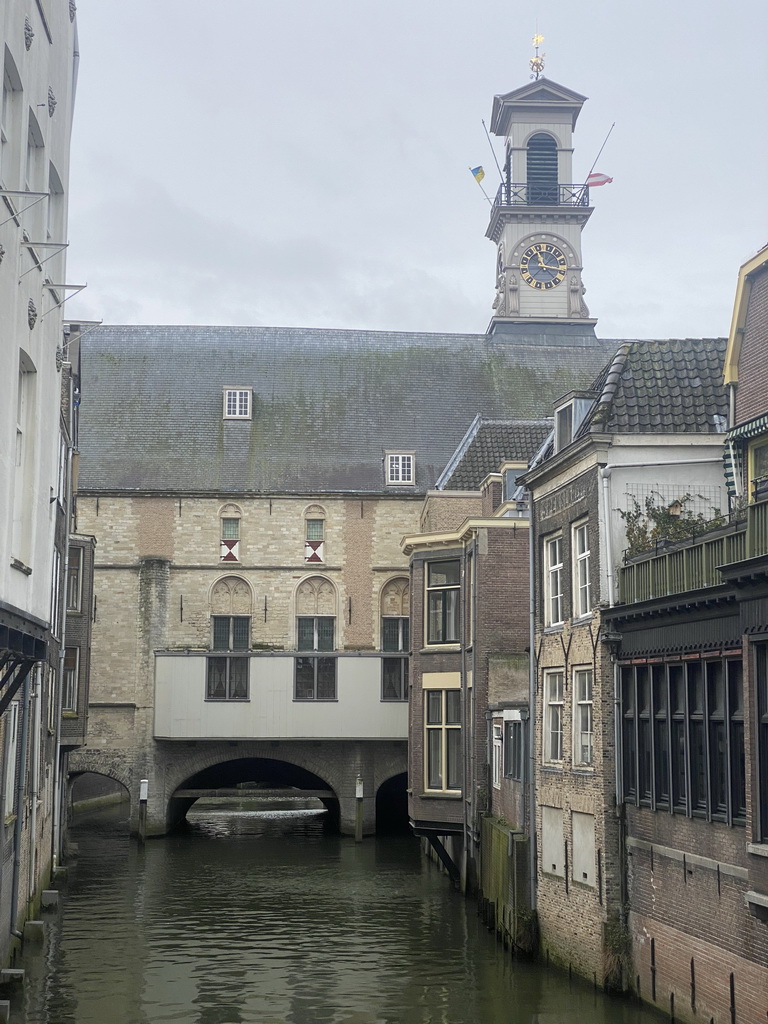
pixel 305 162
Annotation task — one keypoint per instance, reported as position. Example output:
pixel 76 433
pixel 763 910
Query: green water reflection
pixel 253 916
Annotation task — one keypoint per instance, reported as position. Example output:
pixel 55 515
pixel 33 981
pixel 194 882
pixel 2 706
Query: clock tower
pixel 539 212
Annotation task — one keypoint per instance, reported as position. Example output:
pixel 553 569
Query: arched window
pixel 315 631
pixel 314 535
pixel 395 638
pixel 231 601
pixel 229 524
pixel 542 170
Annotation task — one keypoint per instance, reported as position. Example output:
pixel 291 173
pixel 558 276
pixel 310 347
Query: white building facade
pixel 39 54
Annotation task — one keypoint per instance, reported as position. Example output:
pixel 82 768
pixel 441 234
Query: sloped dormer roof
pixel 488 444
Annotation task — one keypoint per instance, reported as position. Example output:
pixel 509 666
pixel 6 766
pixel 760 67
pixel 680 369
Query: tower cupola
pixel 539 211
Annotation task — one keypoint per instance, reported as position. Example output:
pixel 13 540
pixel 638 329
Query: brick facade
pixel 158 560
pixel 753 375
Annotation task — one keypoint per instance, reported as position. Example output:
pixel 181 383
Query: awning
pixel 753 428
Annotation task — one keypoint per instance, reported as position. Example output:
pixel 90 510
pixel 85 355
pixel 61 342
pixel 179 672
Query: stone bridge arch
pixel 114 765
pixel 168 765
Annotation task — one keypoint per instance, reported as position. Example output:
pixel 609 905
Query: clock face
pixel 543 265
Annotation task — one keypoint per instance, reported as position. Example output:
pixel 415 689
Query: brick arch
pixel 177 772
pixel 109 764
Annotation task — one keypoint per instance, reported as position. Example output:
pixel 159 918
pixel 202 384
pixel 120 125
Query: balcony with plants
pixel 672 551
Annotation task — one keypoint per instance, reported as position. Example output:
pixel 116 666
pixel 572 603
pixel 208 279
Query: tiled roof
pixel 663 387
pixel 491 443
pixel 327 404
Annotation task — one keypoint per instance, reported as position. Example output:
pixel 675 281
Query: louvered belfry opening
pixel 542 170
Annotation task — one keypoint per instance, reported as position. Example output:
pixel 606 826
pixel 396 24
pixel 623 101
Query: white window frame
pixel 582 588
pixel 401 469
pixel 553 581
pixel 583 705
pixel 498 752
pixel 238 403
pixel 554 707
pixel 514 749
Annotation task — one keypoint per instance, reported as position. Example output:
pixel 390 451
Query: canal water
pixel 263 916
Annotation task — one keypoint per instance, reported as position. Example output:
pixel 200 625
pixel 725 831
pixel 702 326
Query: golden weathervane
pixel 537 61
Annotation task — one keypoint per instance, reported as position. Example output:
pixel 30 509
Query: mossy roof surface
pixel 327 404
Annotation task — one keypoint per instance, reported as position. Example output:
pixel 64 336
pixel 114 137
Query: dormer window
pixel 569 416
pixel 400 468
pixel 563 427
pixel 237 403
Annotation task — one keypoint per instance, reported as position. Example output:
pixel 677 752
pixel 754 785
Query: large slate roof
pixel 327 404
pixel 669 386
pixel 487 444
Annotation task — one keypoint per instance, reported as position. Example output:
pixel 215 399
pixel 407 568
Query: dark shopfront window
pixel 683 737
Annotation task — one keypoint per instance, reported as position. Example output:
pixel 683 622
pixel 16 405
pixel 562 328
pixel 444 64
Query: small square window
pixel 400 468
pixel 237 404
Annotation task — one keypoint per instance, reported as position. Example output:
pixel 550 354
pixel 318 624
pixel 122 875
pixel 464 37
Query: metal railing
pixel 541 194
pixel 674 567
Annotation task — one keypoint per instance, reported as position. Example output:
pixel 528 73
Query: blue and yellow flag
pixel 478 174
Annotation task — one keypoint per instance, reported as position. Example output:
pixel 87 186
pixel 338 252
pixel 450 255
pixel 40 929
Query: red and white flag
pixel 598 179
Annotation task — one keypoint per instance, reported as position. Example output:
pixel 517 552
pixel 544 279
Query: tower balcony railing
pixel 675 567
pixel 541 194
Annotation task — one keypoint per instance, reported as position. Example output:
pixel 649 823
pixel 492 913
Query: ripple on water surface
pixel 263 916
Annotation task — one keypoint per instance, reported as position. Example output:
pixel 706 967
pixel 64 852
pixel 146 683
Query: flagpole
pixel 493 151
pixel 601 148
pixel 481 189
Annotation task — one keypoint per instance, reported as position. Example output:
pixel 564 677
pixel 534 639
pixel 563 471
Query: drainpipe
pixel 57 772
pixel 19 807
pixel 532 677
pixel 605 476
pixel 34 768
